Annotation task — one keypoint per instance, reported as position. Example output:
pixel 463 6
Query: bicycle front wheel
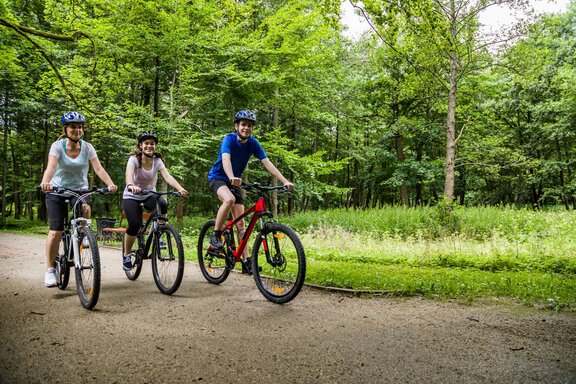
pixel 62 265
pixel 212 263
pixel 167 259
pixel 278 263
pixel 88 274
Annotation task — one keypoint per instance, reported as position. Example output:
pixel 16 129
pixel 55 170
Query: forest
pixel 425 107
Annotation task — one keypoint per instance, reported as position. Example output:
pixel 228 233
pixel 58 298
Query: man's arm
pixel 276 173
pixel 227 165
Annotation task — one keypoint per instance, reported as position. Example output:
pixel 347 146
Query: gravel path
pixel 231 334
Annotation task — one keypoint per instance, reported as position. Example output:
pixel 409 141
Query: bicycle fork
pixel 77 223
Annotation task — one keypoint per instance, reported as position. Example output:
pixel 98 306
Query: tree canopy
pixel 418 110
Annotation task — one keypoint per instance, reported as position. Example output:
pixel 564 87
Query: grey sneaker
pixel 50 278
pixel 216 241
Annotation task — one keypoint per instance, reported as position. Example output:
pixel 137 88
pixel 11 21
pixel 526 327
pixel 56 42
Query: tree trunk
pixel 42 214
pixel 291 202
pixel 17 172
pixel 180 210
pixel 274 207
pixel 450 130
pixel 157 88
pixel 399 141
pixel 4 163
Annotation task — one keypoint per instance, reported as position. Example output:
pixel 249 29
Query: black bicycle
pixel 159 241
pixel 79 249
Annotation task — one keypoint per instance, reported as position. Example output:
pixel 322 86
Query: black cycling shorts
pixel 57 209
pixel 215 185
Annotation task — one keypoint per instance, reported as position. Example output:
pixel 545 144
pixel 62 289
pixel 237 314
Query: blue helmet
pixel 147 135
pixel 245 115
pixel 72 117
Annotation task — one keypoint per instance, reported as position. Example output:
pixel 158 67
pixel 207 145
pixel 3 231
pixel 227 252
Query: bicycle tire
pixel 168 261
pixel 61 262
pixel 133 273
pixel 280 276
pixel 212 264
pixel 88 275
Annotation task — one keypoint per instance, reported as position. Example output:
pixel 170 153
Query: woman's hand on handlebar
pixel 135 190
pixel 112 188
pixel 46 187
pixel 289 186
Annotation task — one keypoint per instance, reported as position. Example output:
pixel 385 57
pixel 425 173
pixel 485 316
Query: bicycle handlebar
pixel 60 190
pixel 148 192
pixel 264 188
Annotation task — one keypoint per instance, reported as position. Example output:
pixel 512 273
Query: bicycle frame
pixel 152 221
pixel 72 226
pixel 258 211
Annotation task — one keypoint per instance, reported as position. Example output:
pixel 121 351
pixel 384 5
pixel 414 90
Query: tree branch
pixel 410 62
pixel 24 31
pixel 47 35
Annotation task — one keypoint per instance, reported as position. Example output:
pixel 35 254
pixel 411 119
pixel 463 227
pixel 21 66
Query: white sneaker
pixel 50 278
pixel 85 243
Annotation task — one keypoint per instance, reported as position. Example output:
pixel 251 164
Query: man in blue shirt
pixel 225 177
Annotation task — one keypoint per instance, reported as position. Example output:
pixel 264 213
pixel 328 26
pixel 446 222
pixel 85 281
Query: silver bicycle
pixel 79 249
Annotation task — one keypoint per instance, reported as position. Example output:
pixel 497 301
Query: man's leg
pixel 227 198
pixel 237 211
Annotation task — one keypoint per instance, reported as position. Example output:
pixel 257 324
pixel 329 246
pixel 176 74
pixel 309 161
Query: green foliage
pixel 353 123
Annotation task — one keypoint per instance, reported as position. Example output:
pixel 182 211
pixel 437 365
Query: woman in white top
pixel 69 160
pixel 142 173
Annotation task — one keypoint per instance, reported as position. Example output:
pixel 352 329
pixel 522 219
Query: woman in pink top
pixel 142 173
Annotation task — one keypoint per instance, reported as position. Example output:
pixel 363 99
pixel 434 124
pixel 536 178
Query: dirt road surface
pixel 231 334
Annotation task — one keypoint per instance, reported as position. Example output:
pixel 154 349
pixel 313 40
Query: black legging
pixel 133 211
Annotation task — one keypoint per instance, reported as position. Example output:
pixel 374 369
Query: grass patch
pixel 544 290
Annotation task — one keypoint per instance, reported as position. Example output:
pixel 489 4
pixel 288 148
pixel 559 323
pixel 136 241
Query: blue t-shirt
pixel 239 156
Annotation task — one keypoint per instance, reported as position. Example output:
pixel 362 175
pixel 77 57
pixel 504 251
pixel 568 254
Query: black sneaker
pixel 247 267
pixel 127 262
pixel 216 241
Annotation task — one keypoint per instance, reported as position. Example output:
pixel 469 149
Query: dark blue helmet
pixel 72 117
pixel 147 135
pixel 245 115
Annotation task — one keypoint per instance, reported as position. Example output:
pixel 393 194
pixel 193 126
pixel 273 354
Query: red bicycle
pixel 278 261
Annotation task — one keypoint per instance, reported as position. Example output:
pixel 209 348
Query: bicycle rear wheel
pixel 168 260
pixel 62 265
pixel 88 275
pixel 212 263
pixel 133 273
pixel 278 263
